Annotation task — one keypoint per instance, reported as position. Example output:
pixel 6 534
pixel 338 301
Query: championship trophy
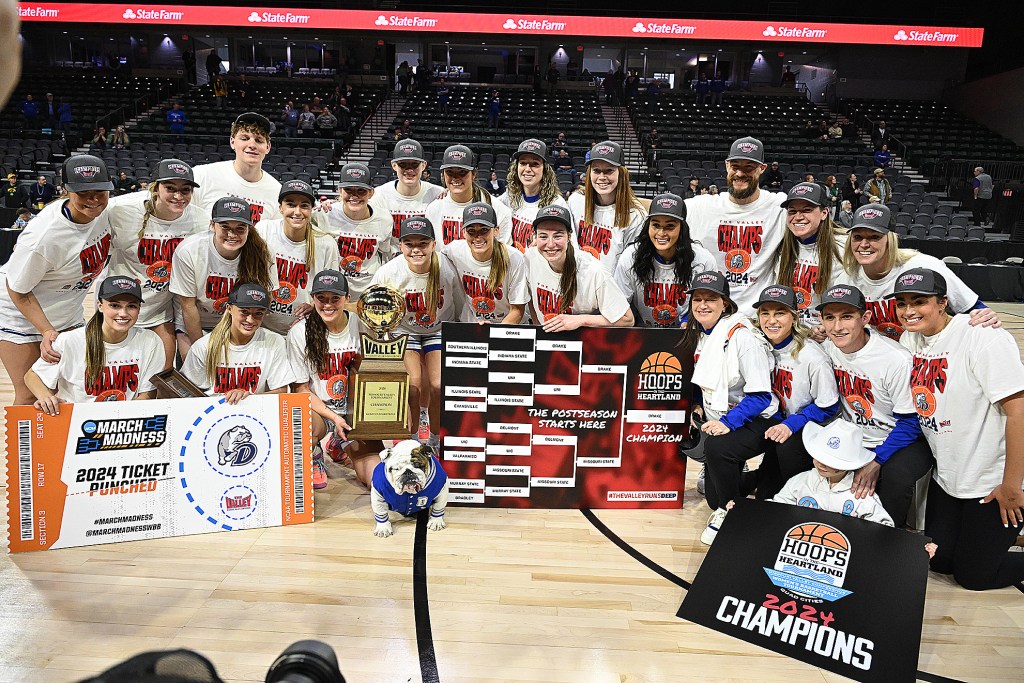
pixel 380 389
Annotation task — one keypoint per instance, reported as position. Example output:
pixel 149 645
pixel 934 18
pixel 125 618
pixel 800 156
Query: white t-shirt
pixel 294 279
pixel 522 219
pixel 661 302
pixel 149 259
pixel 883 311
pixel 362 246
pixel 127 367
pixel 874 383
pixel 257 367
pixel 446 216
pixel 755 372
pixel 451 300
pixel 742 238
pixel 595 289
pixel 805 275
pixel 343 351
pixel 483 305
pixel 219 180
pixel 811 490
pixel 959 376
pixel 803 380
pixel 603 239
pixel 387 198
pixel 199 271
pixel 57 260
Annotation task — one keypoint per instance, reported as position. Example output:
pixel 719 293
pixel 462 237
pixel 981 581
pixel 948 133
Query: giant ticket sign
pixel 130 470
pixel 590 418
pixel 841 593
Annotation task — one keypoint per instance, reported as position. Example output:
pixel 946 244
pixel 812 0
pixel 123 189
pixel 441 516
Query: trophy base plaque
pixel 380 401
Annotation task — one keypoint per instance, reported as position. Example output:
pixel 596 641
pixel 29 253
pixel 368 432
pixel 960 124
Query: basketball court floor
pixel 500 595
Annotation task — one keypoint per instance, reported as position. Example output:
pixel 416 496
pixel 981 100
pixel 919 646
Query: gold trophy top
pixel 381 309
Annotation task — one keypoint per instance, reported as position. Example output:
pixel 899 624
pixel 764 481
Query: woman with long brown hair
pixel 531 185
pixel 459 172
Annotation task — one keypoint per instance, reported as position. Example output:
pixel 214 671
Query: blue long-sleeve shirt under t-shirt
pixel 906 431
pixel 752 405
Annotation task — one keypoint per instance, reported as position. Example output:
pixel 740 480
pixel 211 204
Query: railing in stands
pixel 139 105
pixel 956 176
pixel 898 148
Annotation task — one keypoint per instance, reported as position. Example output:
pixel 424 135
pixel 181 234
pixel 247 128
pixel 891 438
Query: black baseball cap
pixel 919 281
pixel 249 295
pixel 479 213
pixel 231 209
pixel 355 175
pixel 458 156
pixel 84 172
pixel 408 150
pixel 808 192
pixel 778 294
pixel 296 186
pixel 416 225
pixel 843 294
pixel 607 151
pixel 329 280
pixel 712 281
pixel 750 149
pixel 668 204
pixel 120 285
pixel 873 217
pixel 556 213
pixel 254 119
pixel 532 146
pixel 174 169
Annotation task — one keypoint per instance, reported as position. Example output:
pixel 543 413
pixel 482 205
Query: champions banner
pixel 128 470
pixel 585 419
pixel 840 593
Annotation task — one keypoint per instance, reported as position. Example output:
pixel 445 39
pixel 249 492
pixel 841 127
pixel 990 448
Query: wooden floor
pixel 514 595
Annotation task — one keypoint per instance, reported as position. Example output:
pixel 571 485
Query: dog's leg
pixel 380 515
pixel 437 508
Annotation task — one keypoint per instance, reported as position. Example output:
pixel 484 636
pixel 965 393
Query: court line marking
pixel 421 605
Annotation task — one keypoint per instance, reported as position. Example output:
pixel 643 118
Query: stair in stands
pixel 362 148
pixel 620 130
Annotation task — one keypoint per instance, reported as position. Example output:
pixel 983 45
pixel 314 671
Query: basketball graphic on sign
pixel 822 534
pixel 662 361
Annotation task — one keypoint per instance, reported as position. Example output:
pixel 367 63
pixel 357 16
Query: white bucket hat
pixel 839 444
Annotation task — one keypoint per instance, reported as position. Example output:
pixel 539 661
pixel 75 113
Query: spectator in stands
pixel 852 191
pixel 495 185
pixel 426 177
pixel 692 188
pixel 316 106
pixel 703 190
pixel 404 131
pixel 243 89
pixel 586 76
pixel 42 193
pixel 772 179
pixel 100 140
pixel 307 122
pixel 883 158
pixel 344 115
pixel 403 74
pixel 788 77
pixel 24 216
pixel 125 183
pixel 620 78
pixel 558 144
pixel 494 110
pixel 982 184
pixel 188 58
pixel 586 157
pixel 213 64
pixel 176 120
pixel 608 86
pixel 653 93
pixel 717 88
pixel 50 111
pixel 119 138
pixel 552 76
pixel 564 166
pixel 879 187
pixel 880 135
pixel 64 116
pixel 15 196
pixel 835 131
pixel 823 130
pixel 808 178
pixel 326 123
pixel 832 190
pixel 845 216
pixel 220 91
pixel 443 96
pixel 712 189
pixel 290 120
pixel 810 131
pixel 29 111
pixel 631 86
pixel 702 87
pixel 653 139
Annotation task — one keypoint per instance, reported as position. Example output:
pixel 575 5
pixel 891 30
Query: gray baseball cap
pixel 296 186
pixel 416 225
pixel 873 217
pixel 843 294
pixel 120 285
pixel 231 209
pixel 532 146
pixel 808 192
pixel 408 150
pixel 919 281
pixel 458 156
pixel 249 295
pixel 668 204
pixel 355 175
pixel 778 294
pixel 329 280
pixel 748 148
pixel 85 172
pixel 712 281
pixel 174 169
pixel 608 151
pixel 479 213
pixel 556 213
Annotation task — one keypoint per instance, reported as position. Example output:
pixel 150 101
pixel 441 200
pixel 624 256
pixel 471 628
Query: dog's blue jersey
pixel 409 504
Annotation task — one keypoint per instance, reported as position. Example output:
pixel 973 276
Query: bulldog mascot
pixel 409 478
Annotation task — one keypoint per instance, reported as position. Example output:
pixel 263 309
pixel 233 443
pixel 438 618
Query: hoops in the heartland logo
pixel 660 378
pixel 812 563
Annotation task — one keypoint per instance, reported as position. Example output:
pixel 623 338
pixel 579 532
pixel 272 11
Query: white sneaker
pixel 707 537
pixel 700 481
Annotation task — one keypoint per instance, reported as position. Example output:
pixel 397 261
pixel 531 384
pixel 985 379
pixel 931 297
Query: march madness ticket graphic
pixel 128 470
pixel 589 418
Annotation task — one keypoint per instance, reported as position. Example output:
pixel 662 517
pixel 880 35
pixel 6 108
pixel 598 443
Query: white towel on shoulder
pixel 717 369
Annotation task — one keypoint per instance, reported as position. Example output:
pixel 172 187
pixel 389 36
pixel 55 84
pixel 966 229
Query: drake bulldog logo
pixel 408 479
pixel 235 447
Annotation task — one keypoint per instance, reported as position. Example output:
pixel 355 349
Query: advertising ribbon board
pixel 841 593
pixel 585 419
pixel 129 470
